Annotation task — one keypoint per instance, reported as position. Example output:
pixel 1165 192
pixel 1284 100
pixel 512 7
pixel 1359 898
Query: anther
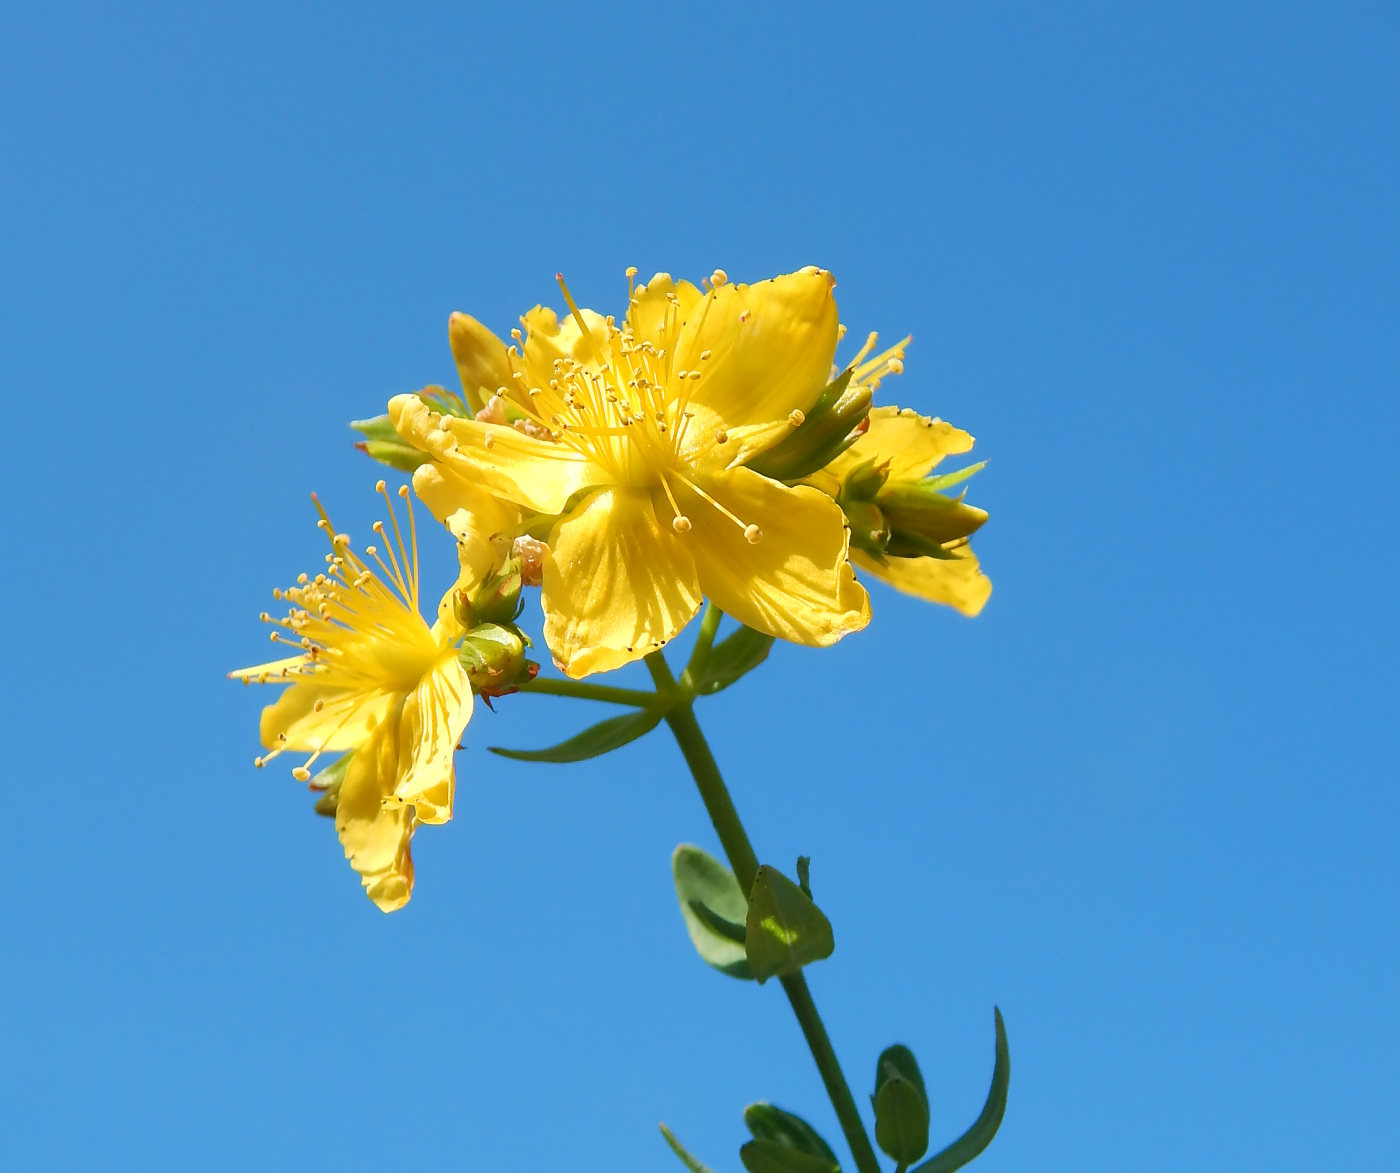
pixel 681 524
pixel 319 705
pixel 896 366
pixel 489 442
pixel 704 355
pixel 744 317
pixel 631 271
pixel 379 486
pixel 403 492
pixel 719 277
pixel 796 417
pixel 721 437
pixel 301 774
pixel 754 534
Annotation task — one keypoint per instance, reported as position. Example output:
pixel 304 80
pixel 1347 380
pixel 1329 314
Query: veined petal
pixel 481 359
pixel 956 582
pixel 375 836
pixel 482 524
pixel 537 475
pixel 771 346
pixel 434 717
pixel 345 718
pixel 912 443
pixel 796 581
pixel 651 315
pixel 617 583
pixel 547 338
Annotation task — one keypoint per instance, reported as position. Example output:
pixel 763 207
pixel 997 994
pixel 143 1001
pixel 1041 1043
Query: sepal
pixel 836 420
pixel 901 1106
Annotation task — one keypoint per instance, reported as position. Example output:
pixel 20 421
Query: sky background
pixel 1146 803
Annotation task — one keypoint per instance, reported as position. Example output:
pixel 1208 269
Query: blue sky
pixel 1146 803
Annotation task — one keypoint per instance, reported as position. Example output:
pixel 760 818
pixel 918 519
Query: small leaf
pixel 703 883
pixel 785 929
pixel 766 1122
pixel 768 1156
pixel 687 1158
pixel 804 874
pixel 594 741
pixel 979 1136
pixel 901 1105
pixel 731 658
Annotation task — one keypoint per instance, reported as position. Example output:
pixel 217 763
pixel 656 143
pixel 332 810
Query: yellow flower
pixel 624 447
pixel 903 528
pixel 370 676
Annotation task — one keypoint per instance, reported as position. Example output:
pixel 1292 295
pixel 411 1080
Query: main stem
pixel 735 841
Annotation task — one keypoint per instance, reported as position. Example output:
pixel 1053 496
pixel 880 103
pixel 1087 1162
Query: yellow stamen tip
pixel 719 277
pixel 681 524
pixel 754 534
pixel 721 437
pixel 796 417
pixel 301 774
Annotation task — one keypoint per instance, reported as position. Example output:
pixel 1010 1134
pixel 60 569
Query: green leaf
pixel 979 1136
pixel 901 1105
pixel 785 930
pixel 594 741
pixel 768 1156
pixel 773 1124
pixel 712 903
pixel 731 658
pixel 687 1158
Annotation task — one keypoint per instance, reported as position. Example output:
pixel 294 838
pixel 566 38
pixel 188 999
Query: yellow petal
pixel 481 359
pixel 796 581
pixel 958 582
pixel 375 837
pixel 912 443
pixel 775 360
pixel 653 318
pixel 617 583
pixel 345 719
pixel 482 524
pixel 548 337
pixel 434 717
pixel 538 475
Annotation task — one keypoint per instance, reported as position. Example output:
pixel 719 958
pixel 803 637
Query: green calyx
pixel 836 420
pixel 905 518
pixel 385 445
pixel 496 600
pixel 494 656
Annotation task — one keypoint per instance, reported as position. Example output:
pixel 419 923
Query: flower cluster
pixel 706 445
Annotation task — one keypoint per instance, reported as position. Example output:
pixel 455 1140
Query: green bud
pixel 864 481
pixel 766 1156
pixel 901 1105
pixel 498 598
pixel 914 507
pixel 329 781
pixel 869 530
pixel 494 657
pixel 831 426
pixel 384 444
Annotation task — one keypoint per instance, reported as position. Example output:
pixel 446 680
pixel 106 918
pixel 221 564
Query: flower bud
pixel 494 657
pixel 827 429
pixel 911 508
pixel 864 481
pixel 869 530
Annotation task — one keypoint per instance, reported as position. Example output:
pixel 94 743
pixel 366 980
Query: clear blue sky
pixel 1146 803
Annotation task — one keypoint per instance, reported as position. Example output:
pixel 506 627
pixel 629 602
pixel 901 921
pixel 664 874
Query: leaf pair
pixel 773 932
pixel 902 1110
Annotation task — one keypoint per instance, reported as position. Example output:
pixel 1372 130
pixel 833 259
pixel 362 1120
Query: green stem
pixel 704 641
pixel 553 686
pixel 735 841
